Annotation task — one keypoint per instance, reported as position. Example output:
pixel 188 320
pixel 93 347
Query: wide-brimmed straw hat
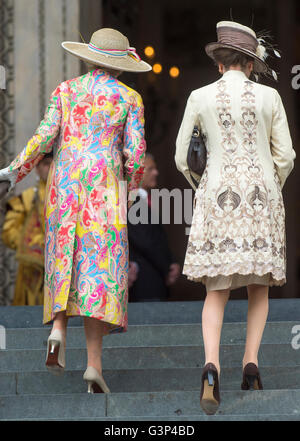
pixel 236 36
pixel 108 48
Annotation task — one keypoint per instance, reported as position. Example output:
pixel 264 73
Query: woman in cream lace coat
pixel 237 235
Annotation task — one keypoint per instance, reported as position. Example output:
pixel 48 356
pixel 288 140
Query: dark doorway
pixel 178 32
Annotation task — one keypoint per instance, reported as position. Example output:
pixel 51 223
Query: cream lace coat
pixel 238 224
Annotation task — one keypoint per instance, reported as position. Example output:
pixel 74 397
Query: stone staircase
pixel 153 370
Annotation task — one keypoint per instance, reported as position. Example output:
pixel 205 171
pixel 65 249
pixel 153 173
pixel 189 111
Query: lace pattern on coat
pixel 241 229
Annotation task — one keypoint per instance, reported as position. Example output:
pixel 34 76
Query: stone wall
pixel 31 32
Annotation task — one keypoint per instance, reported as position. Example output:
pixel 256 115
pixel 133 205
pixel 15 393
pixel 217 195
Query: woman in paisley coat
pixel 237 235
pixel 99 122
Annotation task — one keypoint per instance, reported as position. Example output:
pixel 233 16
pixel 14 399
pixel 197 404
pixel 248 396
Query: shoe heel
pixel 96 383
pixel 53 351
pixel 208 401
pixel 54 361
pixel 251 378
pixel 90 387
pixel 210 378
pixel 95 388
pixel 53 345
pixel 252 382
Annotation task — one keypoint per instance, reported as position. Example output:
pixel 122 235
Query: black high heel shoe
pixel 251 378
pixel 210 394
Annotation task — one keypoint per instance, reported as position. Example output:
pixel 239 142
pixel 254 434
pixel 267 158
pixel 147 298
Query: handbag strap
pixel 196 134
pixel 196 183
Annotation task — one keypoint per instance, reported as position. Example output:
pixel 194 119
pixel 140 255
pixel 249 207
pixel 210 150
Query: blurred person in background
pixel 24 232
pixel 153 266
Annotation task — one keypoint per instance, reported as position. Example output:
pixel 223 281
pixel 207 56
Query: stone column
pixel 7 260
pixel 31 32
pixel 40 62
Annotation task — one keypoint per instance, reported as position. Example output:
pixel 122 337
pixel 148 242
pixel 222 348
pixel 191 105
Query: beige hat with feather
pixel 233 35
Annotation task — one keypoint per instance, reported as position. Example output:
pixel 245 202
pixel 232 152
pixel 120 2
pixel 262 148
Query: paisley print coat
pixel 238 224
pixel 98 125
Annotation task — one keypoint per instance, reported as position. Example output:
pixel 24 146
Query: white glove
pixel 11 176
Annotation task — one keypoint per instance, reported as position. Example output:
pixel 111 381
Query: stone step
pixel 150 335
pixel 158 313
pixel 142 380
pixel 150 404
pixel 191 418
pixel 188 356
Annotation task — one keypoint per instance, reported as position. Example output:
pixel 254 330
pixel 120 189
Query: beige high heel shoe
pixel 55 360
pixel 96 383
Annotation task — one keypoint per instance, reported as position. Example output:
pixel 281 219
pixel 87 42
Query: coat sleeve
pixel 183 140
pixel 281 143
pixel 134 144
pixel 43 139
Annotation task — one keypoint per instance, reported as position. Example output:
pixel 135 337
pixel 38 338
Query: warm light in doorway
pixel 157 68
pixel 149 51
pixel 174 72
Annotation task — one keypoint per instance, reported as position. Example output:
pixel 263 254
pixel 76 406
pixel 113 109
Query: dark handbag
pixel 196 158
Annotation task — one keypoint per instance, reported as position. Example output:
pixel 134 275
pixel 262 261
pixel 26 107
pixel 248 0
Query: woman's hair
pixel 230 57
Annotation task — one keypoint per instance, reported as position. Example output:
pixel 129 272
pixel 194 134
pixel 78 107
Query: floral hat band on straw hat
pixel 233 35
pixel 108 48
pixel 115 52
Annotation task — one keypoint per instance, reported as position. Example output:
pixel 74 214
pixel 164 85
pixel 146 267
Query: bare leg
pixel 94 331
pixel 60 322
pixel 212 321
pixel 258 308
pixel 55 360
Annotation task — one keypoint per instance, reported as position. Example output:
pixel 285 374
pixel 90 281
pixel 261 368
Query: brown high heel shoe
pixel 210 394
pixel 251 378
